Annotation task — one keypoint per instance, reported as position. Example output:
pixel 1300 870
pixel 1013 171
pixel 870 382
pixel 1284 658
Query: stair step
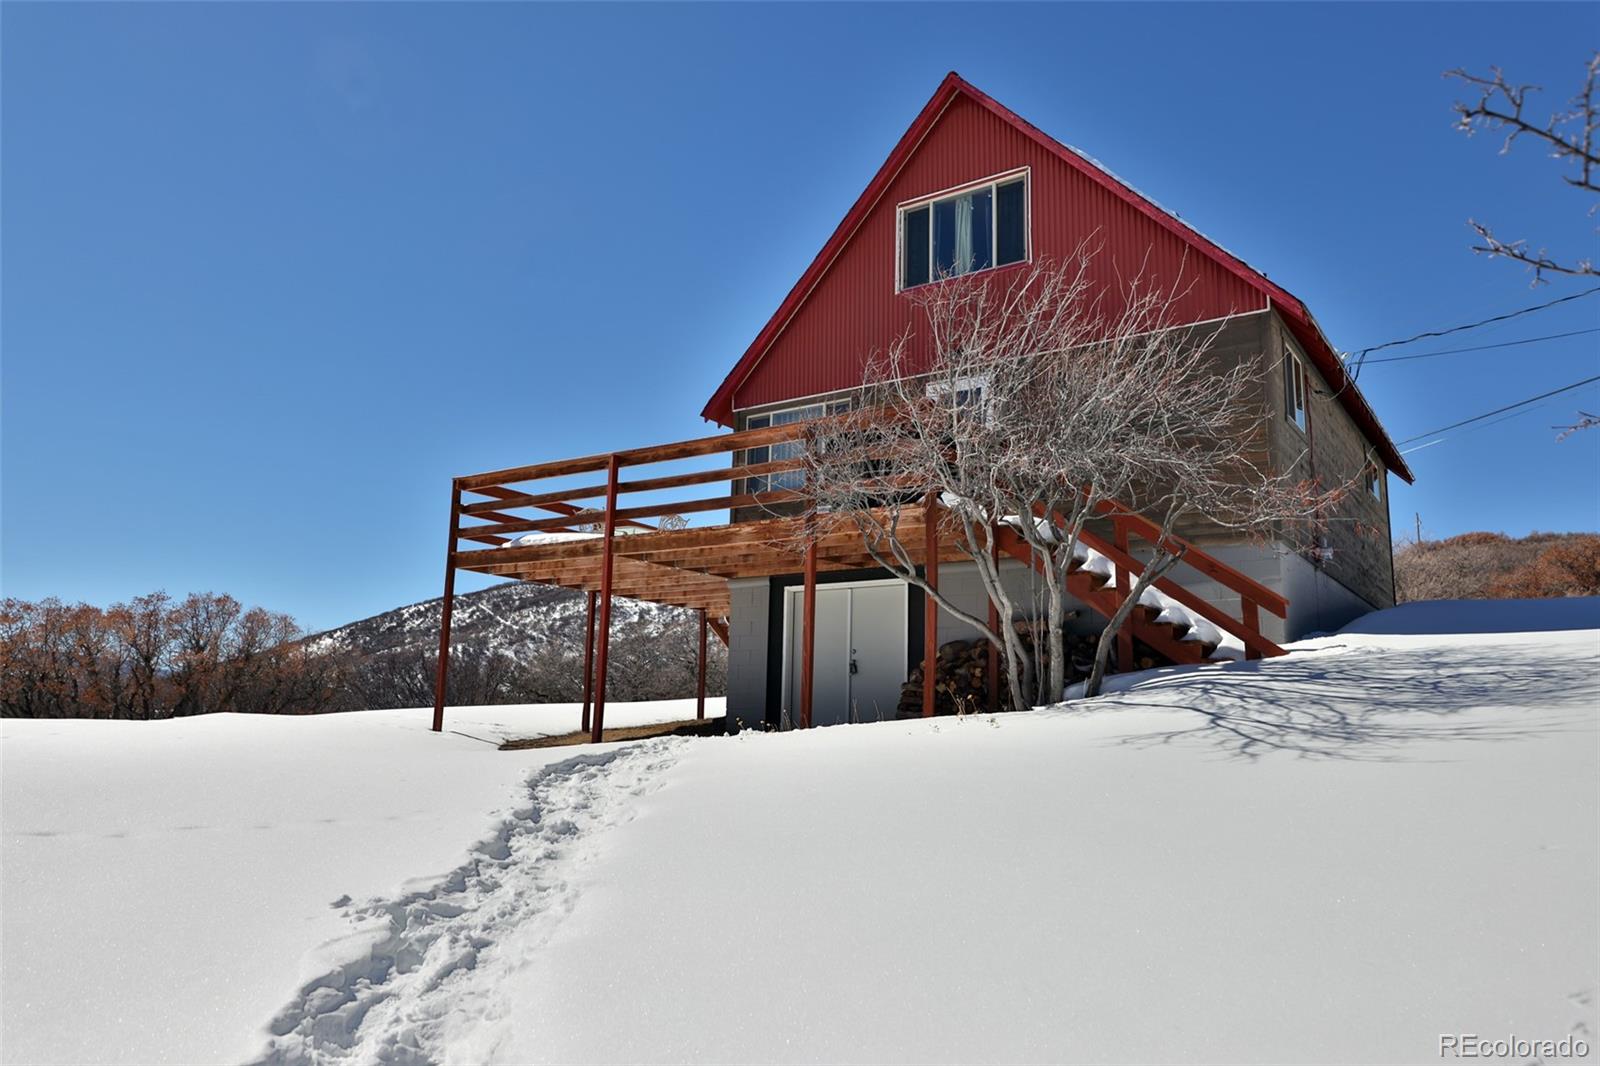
pixel 1098 591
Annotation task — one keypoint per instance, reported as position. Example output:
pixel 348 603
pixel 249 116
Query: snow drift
pixel 1338 855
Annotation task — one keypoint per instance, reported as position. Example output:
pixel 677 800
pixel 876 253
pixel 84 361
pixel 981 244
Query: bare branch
pixel 1568 135
pixel 1585 421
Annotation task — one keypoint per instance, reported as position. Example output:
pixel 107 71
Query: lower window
pixel 773 453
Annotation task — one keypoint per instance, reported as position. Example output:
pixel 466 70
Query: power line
pixel 1360 357
pixel 1475 325
pixel 1495 422
pixel 1502 410
pixel 1483 347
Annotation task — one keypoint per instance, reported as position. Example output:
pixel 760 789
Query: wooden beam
pixel 808 634
pixel 760 532
pixel 559 468
pixel 626 515
pixel 1197 557
pixel 588 660
pixel 930 607
pixel 700 679
pixel 721 442
pixel 442 668
pixel 1119 531
pixel 572 509
pixel 994 624
pixel 704 477
pixel 490 539
pixel 519 499
pixel 659 453
pixel 605 603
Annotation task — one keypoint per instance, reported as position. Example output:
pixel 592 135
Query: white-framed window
pixel 963 393
pixel 977 227
pixel 1373 478
pixel 789 449
pixel 1296 388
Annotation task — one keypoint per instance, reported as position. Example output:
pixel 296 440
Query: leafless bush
pixel 1034 400
pixel 154 658
pixel 1494 566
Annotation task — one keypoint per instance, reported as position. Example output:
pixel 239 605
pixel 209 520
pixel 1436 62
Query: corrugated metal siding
pixel 855 311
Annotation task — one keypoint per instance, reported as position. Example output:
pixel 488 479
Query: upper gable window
pixel 1372 478
pixel 982 226
pixel 1295 389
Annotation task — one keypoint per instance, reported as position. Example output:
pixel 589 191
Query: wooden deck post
pixel 1250 614
pixel 604 642
pixel 442 670
pixel 700 680
pixel 808 630
pixel 1125 634
pixel 588 661
pixel 930 607
pixel 994 624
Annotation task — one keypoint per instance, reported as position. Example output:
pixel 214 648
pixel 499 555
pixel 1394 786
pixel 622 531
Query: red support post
pixel 604 644
pixel 930 607
pixel 1251 616
pixel 588 661
pixel 442 674
pixel 808 631
pixel 1125 634
pixel 700 681
pixel 994 649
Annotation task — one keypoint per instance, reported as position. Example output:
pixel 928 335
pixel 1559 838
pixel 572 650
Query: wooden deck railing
pixel 1253 596
pixel 497 525
pixel 494 507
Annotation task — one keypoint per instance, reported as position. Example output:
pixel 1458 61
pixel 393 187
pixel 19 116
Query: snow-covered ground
pixel 1337 856
pixel 161 883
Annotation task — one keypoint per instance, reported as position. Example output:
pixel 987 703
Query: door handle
pixel 853 669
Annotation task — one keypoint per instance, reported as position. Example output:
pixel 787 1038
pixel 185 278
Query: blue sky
pixel 273 273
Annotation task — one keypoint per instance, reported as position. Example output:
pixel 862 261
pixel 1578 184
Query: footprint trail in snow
pixel 424 986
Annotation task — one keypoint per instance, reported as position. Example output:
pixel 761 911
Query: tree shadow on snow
pixel 1368 703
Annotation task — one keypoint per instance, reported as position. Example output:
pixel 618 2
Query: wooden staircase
pixel 1104 594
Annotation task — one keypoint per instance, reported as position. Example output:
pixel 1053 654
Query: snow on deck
pixel 1338 855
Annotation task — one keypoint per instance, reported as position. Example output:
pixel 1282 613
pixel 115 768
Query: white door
pixel 859 659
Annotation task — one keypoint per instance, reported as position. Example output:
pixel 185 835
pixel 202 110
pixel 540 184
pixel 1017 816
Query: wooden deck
pixel 631 536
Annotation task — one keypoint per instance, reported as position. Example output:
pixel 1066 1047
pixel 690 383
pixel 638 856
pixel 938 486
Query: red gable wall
pixel 844 306
pixel 854 309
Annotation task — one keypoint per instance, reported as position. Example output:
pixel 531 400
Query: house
pixel 817 634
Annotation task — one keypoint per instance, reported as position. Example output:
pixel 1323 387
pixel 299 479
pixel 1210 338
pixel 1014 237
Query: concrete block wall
pixel 1317 603
pixel 1334 451
pixel 747 649
pixel 961 583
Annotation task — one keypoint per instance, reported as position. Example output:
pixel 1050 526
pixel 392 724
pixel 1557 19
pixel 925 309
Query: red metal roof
pixel 813 345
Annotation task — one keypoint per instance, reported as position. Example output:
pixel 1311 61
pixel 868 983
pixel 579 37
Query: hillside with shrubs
pixel 161 657
pixel 1475 566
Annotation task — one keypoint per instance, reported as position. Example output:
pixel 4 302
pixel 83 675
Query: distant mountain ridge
pixel 522 642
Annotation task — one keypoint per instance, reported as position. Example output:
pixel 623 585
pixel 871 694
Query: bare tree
pixel 1031 404
pixel 1585 421
pixel 1568 135
pixel 102 663
pixel 141 627
pixel 150 659
pixel 200 625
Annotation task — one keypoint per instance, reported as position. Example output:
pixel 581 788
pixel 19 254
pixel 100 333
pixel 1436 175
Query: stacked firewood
pixel 961 681
pixel 961 678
